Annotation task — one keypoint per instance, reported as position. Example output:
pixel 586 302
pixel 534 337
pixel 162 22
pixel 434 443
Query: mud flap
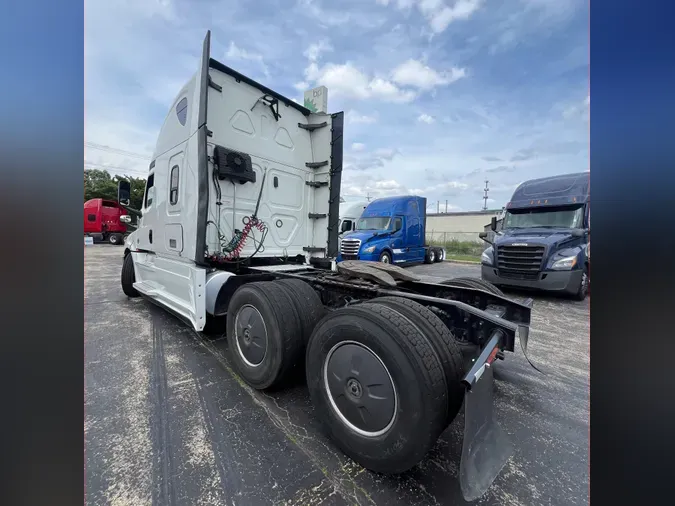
pixel 486 446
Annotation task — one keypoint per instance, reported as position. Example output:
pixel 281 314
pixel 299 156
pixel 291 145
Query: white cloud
pixel 415 73
pixel 358 146
pixel 425 118
pixel 234 52
pixel 301 86
pixel 313 52
pixel 438 14
pixel 388 185
pixel 386 153
pixel 348 81
pixel 454 186
pixel 439 19
pixel 373 187
pixel 389 92
pixel 237 54
pixel 323 16
pixel 356 118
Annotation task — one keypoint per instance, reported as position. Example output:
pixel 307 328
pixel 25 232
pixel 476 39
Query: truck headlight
pixel 369 249
pixel 565 263
pixel 487 256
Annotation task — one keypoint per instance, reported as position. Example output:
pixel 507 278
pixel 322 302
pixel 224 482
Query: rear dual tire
pixel 442 341
pixel 268 325
pixel 377 385
pixel 433 255
pixel 384 376
pixel 385 379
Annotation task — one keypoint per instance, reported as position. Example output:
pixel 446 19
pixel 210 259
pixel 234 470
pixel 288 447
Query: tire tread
pixel 423 358
pixel 442 340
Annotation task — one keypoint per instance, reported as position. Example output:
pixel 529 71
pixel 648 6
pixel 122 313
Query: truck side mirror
pixel 493 224
pixel 124 192
pixel 484 236
pixel 125 218
pixel 346 225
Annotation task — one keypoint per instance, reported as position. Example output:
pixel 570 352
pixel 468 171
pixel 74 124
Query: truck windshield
pixel 564 217
pixel 375 223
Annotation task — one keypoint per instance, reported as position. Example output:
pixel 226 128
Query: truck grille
pixel 519 262
pixel 350 247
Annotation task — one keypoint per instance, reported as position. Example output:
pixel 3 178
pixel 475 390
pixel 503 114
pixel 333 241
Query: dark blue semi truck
pixel 391 230
pixel 544 242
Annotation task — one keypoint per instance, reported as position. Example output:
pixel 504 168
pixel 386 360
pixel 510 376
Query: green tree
pixel 100 184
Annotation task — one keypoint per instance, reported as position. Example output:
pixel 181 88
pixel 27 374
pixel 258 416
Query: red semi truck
pixel 103 221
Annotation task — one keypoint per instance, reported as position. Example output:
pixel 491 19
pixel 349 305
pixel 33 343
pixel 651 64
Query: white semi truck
pixel 350 212
pixel 239 229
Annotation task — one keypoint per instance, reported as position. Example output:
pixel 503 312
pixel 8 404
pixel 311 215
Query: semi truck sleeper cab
pixel 238 236
pixel 545 237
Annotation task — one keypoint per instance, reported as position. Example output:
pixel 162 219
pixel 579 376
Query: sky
pixel 439 95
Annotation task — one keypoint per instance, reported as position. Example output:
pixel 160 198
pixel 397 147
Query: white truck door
pixel 169 257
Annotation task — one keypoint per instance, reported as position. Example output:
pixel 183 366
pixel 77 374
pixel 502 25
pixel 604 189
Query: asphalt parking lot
pixel 167 422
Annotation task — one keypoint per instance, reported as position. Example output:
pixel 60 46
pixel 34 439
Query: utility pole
pixel 438 207
pixel 446 206
pixel 368 197
pixel 485 198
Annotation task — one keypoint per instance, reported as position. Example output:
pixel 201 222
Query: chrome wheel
pixel 360 389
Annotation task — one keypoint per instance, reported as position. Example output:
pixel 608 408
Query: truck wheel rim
pixel 385 259
pixel 432 256
pixel 250 335
pixel 360 389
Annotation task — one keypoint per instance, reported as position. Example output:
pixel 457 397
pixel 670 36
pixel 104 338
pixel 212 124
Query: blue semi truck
pixel 391 230
pixel 544 241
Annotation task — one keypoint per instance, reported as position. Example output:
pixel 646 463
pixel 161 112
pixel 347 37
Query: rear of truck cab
pixel 234 159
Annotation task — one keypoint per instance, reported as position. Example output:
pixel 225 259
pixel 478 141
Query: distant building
pixel 460 226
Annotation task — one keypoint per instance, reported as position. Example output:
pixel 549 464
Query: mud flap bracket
pixel 486 447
